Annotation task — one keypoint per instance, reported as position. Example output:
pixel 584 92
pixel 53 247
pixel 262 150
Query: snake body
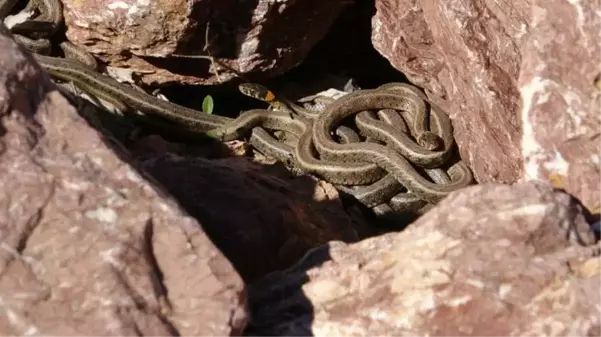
pixel 362 171
pixel 388 170
pixel 384 157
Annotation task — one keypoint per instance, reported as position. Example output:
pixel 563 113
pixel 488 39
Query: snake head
pixel 257 91
pixel 429 140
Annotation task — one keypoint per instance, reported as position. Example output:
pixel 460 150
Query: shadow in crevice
pixel 585 224
pixel 277 302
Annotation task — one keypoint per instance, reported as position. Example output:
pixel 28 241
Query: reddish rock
pixel 267 37
pixel 89 246
pixel 505 73
pixel 488 260
pixel 561 101
pixel 466 55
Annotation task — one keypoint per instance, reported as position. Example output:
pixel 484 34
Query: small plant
pixel 207 104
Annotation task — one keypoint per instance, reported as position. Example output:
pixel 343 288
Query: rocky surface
pixel 466 55
pixel 488 260
pixel 562 103
pixel 89 245
pixel 98 239
pixel 268 37
pixel 504 72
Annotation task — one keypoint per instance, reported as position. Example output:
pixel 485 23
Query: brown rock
pixel 466 55
pixel 267 37
pixel 88 245
pixel 488 260
pixel 561 101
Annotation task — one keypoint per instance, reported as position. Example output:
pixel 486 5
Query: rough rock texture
pixel 466 54
pixel 488 260
pixel 469 56
pixel 88 245
pixel 250 36
pixel 562 101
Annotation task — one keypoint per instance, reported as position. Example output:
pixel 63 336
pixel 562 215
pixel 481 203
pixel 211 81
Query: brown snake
pixel 357 171
pixel 316 152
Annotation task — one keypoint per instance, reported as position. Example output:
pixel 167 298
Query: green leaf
pixel 207 104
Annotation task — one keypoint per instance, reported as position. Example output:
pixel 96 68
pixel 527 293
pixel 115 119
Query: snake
pixel 422 153
pixel 281 103
pixel 353 163
pixel 388 190
pixel 356 173
pixel 388 159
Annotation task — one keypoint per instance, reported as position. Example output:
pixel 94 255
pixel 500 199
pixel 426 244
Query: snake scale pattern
pixel 390 147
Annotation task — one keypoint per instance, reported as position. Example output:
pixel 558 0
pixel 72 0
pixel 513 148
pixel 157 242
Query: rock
pixel 466 55
pixel 89 246
pixel 488 260
pixel 504 71
pixel 561 101
pixel 268 37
